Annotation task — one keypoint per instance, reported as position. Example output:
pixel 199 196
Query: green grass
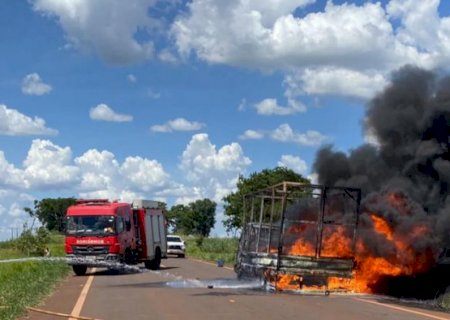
pixel 212 249
pixel 443 301
pixel 56 245
pixel 24 284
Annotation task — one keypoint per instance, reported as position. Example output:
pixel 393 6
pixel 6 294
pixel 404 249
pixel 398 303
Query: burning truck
pixel 402 219
pixel 297 235
pixel 303 237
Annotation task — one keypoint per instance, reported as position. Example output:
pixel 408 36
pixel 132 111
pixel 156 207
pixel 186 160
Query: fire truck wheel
pixel 79 270
pixel 156 262
pixel 129 258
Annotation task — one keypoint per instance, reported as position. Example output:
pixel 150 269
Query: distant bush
pixel 443 301
pixel 212 249
pixel 30 243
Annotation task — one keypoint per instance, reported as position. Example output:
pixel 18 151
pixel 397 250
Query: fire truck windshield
pixel 91 225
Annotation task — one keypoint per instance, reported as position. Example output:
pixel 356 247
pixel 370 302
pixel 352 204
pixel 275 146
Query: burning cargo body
pixel 298 235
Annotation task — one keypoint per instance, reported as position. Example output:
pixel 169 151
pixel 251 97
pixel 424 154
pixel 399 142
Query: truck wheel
pixel 129 257
pixel 79 270
pixel 156 262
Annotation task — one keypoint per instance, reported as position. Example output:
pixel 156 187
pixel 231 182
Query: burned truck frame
pixel 299 229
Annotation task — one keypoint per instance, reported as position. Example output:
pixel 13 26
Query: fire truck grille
pixel 90 250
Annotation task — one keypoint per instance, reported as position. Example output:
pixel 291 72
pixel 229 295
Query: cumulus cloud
pixel 10 176
pixel 251 135
pixel 32 84
pixel 49 165
pixel 178 124
pixel 294 163
pixel 103 176
pixel 106 27
pixel 210 172
pixel 216 171
pixel 269 107
pixel 341 49
pixel 284 133
pixel 104 113
pixel 12 215
pixel 144 174
pixel 14 123
pixel 336 81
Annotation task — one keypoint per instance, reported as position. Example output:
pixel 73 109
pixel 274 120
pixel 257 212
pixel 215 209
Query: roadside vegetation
pixel 26 283
pixel 212 249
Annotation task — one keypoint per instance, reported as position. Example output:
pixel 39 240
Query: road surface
pixel 191 289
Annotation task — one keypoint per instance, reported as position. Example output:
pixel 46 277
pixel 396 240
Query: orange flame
pixel 402 259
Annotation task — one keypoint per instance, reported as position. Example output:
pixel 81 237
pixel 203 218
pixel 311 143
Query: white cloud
pixel 284 133
pixel 49 165
pixel 98 170
pixel 103 176
pixel 251 135
pixel 242 105
pixel 143 174
pixel 12 215
pixel 334 81
pixel 294 163
pixel 414 13
pixel 178 124
pixel 32 84
pixel 10 176
pixel 269 107
pixel 104 113
pixel 215 171
pixel 132 78
pixel 107 27
pixel 14 123
pixel 339 50
pixel 167 57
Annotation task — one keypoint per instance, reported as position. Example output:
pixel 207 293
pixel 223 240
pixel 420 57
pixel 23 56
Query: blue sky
pixel 172 100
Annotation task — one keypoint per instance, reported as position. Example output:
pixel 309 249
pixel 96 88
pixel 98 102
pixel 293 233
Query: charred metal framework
pixel 299 229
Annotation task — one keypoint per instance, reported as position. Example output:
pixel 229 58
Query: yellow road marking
pixel 80 302
pixel 404 309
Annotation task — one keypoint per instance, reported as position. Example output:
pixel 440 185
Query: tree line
pixel 196 218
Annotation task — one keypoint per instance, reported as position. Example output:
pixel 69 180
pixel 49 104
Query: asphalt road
pixel 191 289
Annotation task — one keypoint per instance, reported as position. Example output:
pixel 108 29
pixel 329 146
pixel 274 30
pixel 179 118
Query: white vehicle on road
pixel 175 245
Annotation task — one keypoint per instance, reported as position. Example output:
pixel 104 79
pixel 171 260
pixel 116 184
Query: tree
pixel 51 212
pixel 179 218
pixel 204 216
pixel 196 218
pixel 233 202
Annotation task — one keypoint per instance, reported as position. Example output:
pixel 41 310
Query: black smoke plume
pixel 411 122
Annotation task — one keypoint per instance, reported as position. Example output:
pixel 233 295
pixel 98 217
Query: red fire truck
pixel 100 233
